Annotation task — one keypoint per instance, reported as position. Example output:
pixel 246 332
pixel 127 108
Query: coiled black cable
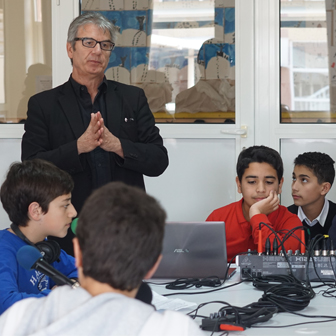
pixel 285 292
pixel 184 283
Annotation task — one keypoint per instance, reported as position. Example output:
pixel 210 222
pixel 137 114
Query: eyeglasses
pixel 91 43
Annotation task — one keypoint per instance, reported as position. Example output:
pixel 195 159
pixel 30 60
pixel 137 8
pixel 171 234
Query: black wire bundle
pixel 232 316
pixel 288 297
pixel 266 282
pixel 183 283
pixel 286 236
pixel 285 292
pixel 246 316
pixel 282 293
pixel 311 249
pixel 314 244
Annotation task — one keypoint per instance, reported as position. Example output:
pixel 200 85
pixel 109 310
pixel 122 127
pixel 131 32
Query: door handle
pixel 238 131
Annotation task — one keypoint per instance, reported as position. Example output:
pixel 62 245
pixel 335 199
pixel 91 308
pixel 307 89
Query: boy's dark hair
pixel 120 232
pixel 259 154
pixel 322 165
pixel 32 181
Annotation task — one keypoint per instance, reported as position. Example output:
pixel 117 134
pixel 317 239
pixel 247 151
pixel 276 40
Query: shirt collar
pixel 321 218
pixel 77 87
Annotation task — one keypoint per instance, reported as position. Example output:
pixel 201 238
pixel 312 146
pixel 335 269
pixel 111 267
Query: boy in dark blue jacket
pixel 313 177
pixel 37 198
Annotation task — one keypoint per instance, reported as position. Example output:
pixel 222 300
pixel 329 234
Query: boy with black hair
pixel 259 179
pixel 313 176
pixel 37 198
pixel 119 242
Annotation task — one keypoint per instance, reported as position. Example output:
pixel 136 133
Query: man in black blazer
pixel 95 129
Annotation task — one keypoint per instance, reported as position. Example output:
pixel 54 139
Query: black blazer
pixel 329 225
pixel 54 124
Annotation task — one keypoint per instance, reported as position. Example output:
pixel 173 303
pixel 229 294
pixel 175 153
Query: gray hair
pixel 95 18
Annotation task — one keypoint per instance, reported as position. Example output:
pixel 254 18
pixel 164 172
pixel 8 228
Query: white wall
pixel 197 180
pixel 10 151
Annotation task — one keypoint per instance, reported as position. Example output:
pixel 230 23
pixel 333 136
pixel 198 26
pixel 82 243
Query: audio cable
pixel 233 318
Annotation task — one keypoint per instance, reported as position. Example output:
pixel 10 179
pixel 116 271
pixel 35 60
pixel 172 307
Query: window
pixel 182 53
pixel 25 55
pixel 307 61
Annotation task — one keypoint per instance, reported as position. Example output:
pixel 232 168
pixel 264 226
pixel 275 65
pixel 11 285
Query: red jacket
pixel 242 235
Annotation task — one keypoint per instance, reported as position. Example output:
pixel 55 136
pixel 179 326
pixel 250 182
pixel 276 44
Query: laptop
pixel 193 250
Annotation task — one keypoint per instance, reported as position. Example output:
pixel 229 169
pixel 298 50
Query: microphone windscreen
pixel 145 293
pixel 74 225
pixel 27 256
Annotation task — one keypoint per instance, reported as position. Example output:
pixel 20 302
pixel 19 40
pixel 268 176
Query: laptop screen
pixel 193 249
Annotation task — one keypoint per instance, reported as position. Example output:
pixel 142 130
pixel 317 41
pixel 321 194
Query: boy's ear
pixel 238 185
pixel 325 188
pixel 34 211
pixel 280 185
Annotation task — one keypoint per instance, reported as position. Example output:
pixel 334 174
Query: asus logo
pixel 181 251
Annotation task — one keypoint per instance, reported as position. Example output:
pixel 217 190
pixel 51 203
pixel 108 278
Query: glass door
pixel 295 80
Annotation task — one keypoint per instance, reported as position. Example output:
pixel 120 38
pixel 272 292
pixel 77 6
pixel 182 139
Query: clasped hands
pixel 97 134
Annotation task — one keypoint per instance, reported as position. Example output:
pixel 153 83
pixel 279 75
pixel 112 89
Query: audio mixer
pixel 319 267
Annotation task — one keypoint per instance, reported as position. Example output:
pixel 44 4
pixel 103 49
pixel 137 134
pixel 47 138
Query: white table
pixel 245 293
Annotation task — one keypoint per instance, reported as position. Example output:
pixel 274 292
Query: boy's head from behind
pixel 32 181
pixel 259 154
pixel 119 236
pixel 313 177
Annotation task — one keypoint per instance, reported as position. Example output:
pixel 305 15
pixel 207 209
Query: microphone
pixel 31 258
pixel 74 225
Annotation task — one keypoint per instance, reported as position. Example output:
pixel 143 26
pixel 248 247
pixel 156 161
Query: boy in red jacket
pixel 259 179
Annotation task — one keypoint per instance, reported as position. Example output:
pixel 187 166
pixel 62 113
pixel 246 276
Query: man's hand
pixel 91 138
pixel 111 143
pixel 266 206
